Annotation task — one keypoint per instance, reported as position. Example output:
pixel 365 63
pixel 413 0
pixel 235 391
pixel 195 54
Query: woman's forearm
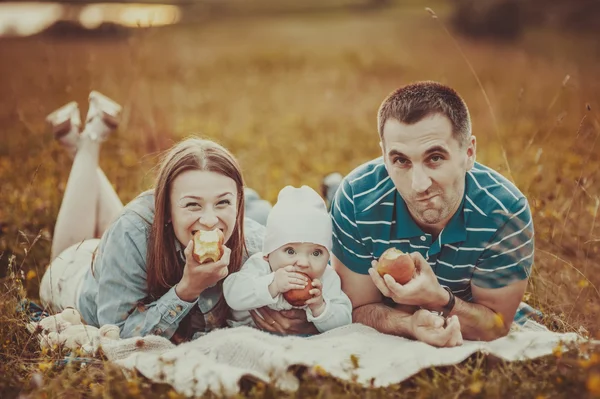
pixel 161 317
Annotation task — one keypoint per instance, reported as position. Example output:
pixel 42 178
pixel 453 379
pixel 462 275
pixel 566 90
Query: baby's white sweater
pixel 248 289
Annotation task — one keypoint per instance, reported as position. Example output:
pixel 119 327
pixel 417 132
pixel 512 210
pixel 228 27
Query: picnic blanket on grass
pixel 217 361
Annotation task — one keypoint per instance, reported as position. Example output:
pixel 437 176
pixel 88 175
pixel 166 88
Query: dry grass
pixel 295 97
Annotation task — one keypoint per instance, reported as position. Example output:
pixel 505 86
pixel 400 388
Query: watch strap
pixel 447 308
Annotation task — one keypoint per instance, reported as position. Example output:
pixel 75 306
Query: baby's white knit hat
pixel 300 215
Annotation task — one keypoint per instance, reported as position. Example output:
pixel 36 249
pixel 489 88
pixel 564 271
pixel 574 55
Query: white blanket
pixel 217 361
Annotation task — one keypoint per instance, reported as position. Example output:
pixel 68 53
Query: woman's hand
pixel 198 277
pixel 285 322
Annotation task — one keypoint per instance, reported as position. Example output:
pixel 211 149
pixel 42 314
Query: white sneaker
pixel 66 124
pixel 102 117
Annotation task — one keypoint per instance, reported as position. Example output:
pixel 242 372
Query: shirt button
pixel 172 313
pixel 158 331
pixel 423 238
pixel 178 308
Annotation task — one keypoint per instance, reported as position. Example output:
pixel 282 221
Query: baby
pixel 297 240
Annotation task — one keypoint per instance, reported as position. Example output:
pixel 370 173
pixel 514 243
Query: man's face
pixel 428 167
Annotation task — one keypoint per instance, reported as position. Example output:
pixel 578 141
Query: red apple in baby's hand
pixel 300 296
pixel 208 245
pixel 397 264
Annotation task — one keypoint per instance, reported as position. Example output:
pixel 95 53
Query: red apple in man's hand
pixel 397 264
pixel 300 296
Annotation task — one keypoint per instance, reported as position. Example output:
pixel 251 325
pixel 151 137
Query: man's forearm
pixel 384 319
pixel 478 322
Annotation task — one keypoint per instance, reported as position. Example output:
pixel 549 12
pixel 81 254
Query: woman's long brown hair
pixel 164 268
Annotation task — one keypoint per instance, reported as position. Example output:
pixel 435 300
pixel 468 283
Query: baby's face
pixel 308 258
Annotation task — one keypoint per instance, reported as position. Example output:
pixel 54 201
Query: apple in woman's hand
pixel 397 264
pixel 208 245
pixel 300 296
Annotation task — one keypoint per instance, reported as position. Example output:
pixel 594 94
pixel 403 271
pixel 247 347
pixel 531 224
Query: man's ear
pixel 471 152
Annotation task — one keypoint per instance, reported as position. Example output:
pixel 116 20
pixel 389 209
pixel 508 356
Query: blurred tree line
pixel 506 19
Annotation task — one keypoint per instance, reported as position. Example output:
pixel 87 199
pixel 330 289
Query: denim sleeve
pixel 120 269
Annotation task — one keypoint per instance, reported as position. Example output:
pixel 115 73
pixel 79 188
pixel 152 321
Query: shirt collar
pixel 179 248
pixel 455 230
pixel 405 225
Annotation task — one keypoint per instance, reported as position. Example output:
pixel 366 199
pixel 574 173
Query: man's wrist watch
pixel 447 308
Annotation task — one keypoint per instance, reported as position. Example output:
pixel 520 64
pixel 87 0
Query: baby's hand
pixel 316 303
pixel 286 279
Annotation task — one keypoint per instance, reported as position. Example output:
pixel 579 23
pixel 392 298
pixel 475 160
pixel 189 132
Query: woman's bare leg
pixel 76 219
pixel 109 204
pixel 90 203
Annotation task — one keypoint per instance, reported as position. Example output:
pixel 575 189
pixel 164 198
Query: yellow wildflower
pixel 320 371
pixel 173 395
pixel 45 366
pixel 557 351
pixel 96 388
pixel 354 360
pixel 475 387
pixel 583 283
pixel 133 388
pixel 31 275
pixel 593 383
pixel 586 363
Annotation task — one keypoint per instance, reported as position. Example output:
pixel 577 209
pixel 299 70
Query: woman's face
pixel 202 200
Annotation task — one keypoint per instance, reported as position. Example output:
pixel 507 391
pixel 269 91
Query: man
pixel 468 229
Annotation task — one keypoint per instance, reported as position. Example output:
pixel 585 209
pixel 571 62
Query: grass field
pixel 295 97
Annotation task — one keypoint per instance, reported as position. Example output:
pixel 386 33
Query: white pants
pixel 61 285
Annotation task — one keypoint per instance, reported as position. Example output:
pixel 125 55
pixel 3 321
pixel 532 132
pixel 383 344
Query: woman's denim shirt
pixel 113 293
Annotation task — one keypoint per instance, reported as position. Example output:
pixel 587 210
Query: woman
pixel 142 275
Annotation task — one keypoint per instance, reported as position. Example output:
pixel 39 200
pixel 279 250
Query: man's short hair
pixel 411 103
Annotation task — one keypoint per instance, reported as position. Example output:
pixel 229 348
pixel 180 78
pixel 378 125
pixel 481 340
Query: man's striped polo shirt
pixel 488 242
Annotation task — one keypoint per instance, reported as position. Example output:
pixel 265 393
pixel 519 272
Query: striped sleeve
pixel 347 244
pixel 508 257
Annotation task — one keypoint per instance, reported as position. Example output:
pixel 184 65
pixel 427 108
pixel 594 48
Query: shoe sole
pixel 63 119
pixel 111 111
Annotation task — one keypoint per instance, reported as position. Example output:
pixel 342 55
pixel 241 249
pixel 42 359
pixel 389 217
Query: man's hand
pixel 316 303
pixel 429 328
pixel 423 290
pixel 285 322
